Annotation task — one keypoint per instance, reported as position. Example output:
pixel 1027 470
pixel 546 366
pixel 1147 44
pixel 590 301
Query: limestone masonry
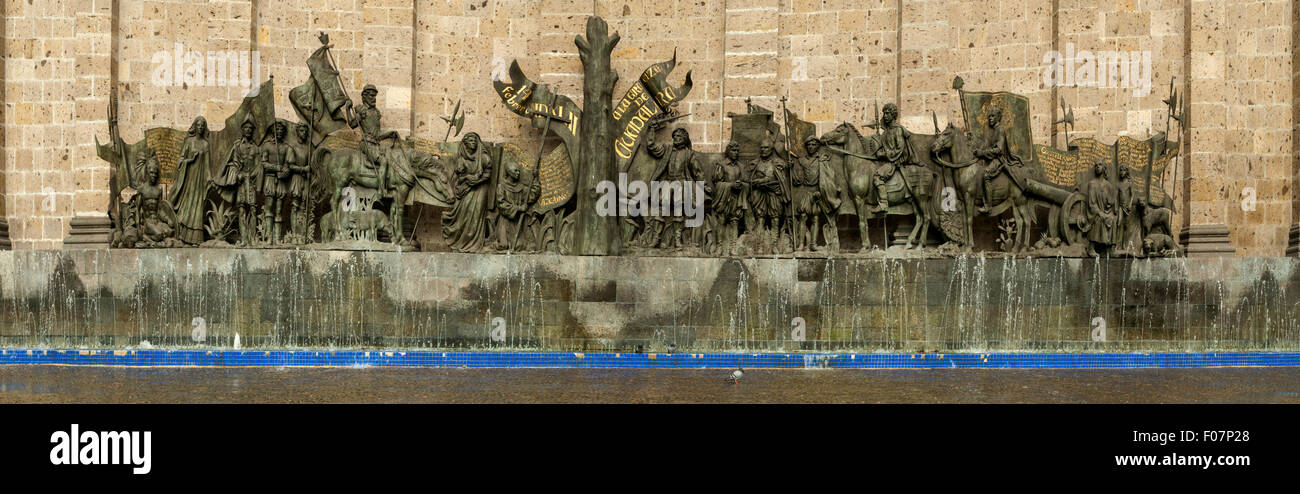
pixel 1237 63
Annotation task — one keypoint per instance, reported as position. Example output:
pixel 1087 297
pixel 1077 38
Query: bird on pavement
pixel 736 376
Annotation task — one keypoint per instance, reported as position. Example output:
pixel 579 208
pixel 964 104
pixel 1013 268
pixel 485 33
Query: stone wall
pixel 834 59
pixel 279 298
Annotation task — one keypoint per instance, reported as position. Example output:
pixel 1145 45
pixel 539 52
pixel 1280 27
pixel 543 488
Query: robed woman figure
pixel 189 193
pixel 465 225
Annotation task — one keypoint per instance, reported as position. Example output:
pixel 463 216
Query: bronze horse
pixel 347 166
pixel 1004 193
pixel 860 169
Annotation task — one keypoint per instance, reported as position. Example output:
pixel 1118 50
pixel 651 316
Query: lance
pixel 309 219
pixel 789 150
pixel 121 155
pixel 847 152
pixel 958 83
pixel 1170 103
pixel 520 228
pixel 876 125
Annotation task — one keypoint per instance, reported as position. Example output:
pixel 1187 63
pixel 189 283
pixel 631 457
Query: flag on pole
pixel 320 100
pixel 649 97
pixel 800 131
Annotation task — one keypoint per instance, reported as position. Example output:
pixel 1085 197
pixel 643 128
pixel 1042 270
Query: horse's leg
pixel 396 213
pixel 859 202
pixel 968 210
pixel 335 208
pixel 866 233
pixel 1025 211
pixel 1018 212
pixel 917 218
pixel 812 234
pixel 922 227
pixel 925 230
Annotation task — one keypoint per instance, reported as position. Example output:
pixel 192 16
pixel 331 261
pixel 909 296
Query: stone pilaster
pixel 1240 122
pixel 4 161
pixel 1205 232
pixel 92 83
pixel 1293 235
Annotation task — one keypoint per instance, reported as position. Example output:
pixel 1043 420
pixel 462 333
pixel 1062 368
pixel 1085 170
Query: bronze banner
pixel 648 97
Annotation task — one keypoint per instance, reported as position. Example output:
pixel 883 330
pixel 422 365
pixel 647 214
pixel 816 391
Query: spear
pixel 790 150
pixel 1170 103
pixel 121 154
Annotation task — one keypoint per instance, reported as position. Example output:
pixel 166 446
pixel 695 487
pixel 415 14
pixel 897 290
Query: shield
pixel 166 144
pixel 748 131
pixel 529 99
pixel 1015 119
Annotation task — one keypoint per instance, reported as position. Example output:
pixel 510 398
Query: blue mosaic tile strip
pixel 354 358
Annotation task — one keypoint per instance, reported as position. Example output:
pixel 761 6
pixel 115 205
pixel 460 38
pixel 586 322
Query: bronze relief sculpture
pixel 778 188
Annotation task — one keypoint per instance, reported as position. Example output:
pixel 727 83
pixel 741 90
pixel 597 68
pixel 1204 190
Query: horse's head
pixel 838 135
pixel 943 141
pixel 423 161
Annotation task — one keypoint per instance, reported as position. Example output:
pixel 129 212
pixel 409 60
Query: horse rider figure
pixel 368 117
pixel 996 153
pixel 895 150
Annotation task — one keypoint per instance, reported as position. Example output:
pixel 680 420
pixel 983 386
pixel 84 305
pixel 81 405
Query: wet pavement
pixel 67 384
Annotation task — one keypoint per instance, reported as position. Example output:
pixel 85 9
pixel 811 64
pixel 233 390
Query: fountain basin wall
pixel 200 298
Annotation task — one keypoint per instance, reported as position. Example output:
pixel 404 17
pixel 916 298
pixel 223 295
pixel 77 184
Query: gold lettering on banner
pixel 513 98
pixel 1133 154
pixel 632 132
pixel 650 73
pixel 667 94
pixel 1062 168
pixel 633 96
pixel 573 123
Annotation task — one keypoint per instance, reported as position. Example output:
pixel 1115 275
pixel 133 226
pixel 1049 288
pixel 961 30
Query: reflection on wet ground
pixel 63 384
